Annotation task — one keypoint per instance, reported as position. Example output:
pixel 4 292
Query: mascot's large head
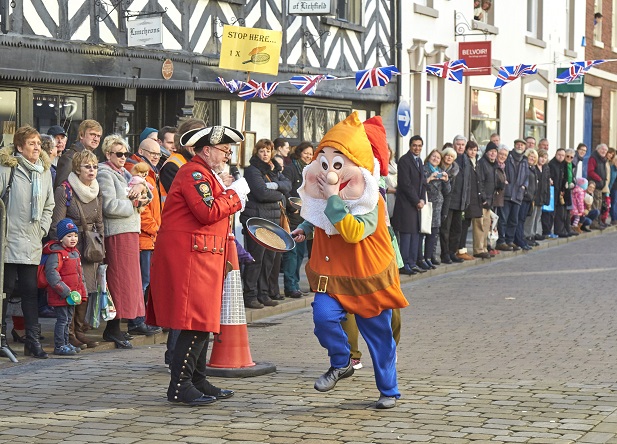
pixel 345 157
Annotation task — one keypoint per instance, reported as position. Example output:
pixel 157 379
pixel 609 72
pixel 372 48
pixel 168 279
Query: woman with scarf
pixel 268 187
pixel 449 166
pixel 500 184
pixel 301 156
pixel 80 194
pixel 475 210
pixel 437 187
pixel 122 226
pixel 531 192
pixel 533 224
pixel 26 188
pixel 570 183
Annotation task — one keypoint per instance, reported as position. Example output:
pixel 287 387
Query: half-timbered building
pixel 68 60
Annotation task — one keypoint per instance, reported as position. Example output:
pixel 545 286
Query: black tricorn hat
pixel 214 135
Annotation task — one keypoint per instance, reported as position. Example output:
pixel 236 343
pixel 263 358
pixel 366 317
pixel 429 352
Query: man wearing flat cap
pixel 59 135
pixel 188 263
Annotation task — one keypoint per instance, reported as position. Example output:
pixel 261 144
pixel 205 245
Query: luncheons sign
pixel 311 7
pixel 476 55
pixel 145 31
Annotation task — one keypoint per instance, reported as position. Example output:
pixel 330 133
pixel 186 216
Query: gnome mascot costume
pixel 352 267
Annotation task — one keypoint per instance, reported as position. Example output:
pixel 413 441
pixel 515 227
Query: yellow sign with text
pixel 251 49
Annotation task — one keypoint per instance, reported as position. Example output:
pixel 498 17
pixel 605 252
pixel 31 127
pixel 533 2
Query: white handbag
pixel 426 217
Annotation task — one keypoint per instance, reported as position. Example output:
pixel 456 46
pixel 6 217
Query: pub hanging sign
pixel 311 7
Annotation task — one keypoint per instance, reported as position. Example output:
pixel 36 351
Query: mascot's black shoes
pixel 328 380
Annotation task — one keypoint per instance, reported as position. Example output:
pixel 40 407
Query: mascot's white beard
pixel 313 209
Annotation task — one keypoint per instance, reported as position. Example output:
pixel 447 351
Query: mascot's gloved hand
pixel 272 185
pixel 241 187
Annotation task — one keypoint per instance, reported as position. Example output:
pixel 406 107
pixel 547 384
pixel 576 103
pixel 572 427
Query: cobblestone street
pixel 514 350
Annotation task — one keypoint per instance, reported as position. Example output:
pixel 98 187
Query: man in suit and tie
pixel 410 198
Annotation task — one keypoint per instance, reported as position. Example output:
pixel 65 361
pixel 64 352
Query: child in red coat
pixel 67 286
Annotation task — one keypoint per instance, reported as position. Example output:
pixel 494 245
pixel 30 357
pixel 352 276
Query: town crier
pixel 189 259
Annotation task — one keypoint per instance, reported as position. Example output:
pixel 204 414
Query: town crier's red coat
pixel 188 263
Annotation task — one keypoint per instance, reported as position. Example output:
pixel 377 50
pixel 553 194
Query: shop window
pixel 308 122
pixel 349 11
pixel 535 117
pixel 8 116
pixel 289 127
pixel 204 110
pixel 484 115
pixel 58 109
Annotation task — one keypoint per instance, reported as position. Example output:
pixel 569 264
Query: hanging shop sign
pixel 574 86
pixel 251 49
pixel 311 7
pixel 476 55
pixel 145 31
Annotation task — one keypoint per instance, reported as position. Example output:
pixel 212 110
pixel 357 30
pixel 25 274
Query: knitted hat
pixel 145 133
pixel 582 182
pixel 349 137
pixel 376 134
pixel 65 226
pixel 490 146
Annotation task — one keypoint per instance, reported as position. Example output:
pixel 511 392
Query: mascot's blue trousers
pixel 376 331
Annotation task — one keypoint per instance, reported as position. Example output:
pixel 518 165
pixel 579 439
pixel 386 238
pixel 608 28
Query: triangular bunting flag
pixel 308 84
pixel 375 77
pixel 508 73
pixel 452 70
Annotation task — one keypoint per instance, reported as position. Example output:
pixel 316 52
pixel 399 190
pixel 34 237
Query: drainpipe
pixel 397 6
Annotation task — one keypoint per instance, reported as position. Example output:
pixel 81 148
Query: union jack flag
pixel 308 84
pixel 576 70
pixel 375 77
pixel 452 70
pixel 507 74
pixel 253 89
pixel 232 86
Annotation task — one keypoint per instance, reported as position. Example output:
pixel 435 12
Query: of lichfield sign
pixel 311 7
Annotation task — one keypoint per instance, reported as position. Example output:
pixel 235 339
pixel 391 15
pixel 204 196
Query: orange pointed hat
pixel 349 137
pixel 376 133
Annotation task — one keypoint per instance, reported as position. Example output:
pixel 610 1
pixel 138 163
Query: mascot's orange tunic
pixel 189 258
pixel 362 276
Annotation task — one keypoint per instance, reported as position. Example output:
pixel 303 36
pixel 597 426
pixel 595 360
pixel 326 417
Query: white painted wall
pixel 509 47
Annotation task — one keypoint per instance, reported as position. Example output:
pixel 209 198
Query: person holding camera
pixel 437 187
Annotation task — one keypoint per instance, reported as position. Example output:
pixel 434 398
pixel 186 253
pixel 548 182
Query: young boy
pixel 67 286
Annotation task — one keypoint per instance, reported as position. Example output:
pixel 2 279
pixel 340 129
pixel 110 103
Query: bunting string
pixel 369 78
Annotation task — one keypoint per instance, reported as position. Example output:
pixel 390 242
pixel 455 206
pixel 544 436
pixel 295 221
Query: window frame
pixel 496 119
pixel 352 11
pixel 529 123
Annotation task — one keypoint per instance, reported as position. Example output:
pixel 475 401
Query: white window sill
pixel 535 42
pixel 598 44
pixel 425 10
pixel 570 53
pixel 484 27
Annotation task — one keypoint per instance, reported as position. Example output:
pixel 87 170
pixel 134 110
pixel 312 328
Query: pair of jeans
pixel 63 320
pixel 519 234
pixel 145 258
pixel 410 248
pixel 508 220
pixel 292 262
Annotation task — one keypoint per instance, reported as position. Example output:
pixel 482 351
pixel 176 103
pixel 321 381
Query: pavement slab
pixel 516 350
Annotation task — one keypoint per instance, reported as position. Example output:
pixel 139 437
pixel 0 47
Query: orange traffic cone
pixel 231 354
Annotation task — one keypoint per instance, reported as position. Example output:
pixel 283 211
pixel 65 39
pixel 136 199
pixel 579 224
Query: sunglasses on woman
pixel 121 153
pixel 90 167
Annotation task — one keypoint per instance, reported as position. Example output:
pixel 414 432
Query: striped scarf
pixel 35 170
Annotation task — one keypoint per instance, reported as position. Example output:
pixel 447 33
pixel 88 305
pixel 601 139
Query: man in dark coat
pixel 459 201
pixel 410 197
pixel 517 172
pixel 557 168
pixel 89 134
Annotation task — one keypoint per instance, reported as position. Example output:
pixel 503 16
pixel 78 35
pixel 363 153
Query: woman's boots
pixel 32 347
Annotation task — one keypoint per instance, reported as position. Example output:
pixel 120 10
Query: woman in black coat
pixel 268 186
pixel 301 156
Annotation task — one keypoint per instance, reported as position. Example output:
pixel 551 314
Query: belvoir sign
pixel 477 55
pixel 311 7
